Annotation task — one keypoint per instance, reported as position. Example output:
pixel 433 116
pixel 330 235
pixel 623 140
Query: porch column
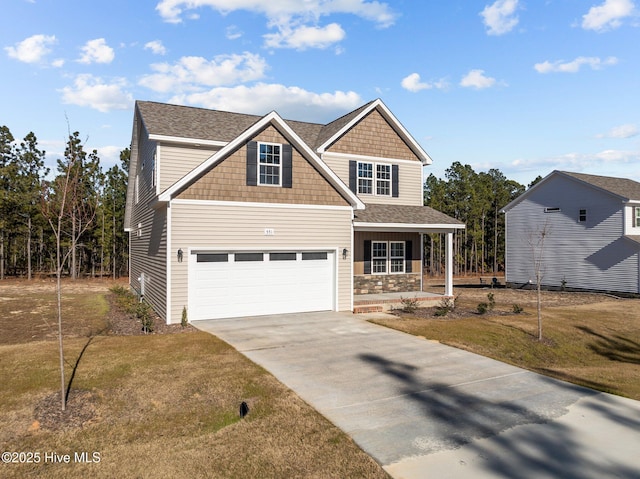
pixel 448 281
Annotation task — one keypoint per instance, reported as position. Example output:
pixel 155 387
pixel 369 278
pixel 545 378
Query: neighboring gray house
pixel 593 233
pixel 234 215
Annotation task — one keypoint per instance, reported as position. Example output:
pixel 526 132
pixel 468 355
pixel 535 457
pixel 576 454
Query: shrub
pixel 517 309
pixel 446 306
pixel 492 301
pixel 482 308
pixel 145 314
pixel 409 305
pixel 184 321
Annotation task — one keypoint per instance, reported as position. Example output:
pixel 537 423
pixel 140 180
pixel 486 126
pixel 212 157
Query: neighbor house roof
pixel 412 217
pixel 623 188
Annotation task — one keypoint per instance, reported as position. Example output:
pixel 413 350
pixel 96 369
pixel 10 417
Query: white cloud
pixel 91 91
pixel 280 10
pixel 32 49
pixel 193 73
pixel 608 15
pixel 594 162
pixel 296 22
pixel 97 51
pixel 413 84
pixel 233 32
pixel 477 79
pixel 574 66
pixel 156 47
pixel 289 102
pixel 304 37
pixel 621 132
pixel 500 17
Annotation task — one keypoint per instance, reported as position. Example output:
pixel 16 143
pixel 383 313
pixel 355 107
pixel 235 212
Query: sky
pixel 524 86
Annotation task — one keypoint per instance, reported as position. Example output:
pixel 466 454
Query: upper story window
pixel 636 217
pixel 269 164
pixel 366 179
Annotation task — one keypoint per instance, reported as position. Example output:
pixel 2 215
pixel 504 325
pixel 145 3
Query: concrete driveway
pixel 425 410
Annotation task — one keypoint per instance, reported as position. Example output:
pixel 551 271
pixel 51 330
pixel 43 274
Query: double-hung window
pixel 269 164
pixel 396 258
pixel 636 221
pixel 365 178
pixel 387 257
pixel 374 178
pixel 383 179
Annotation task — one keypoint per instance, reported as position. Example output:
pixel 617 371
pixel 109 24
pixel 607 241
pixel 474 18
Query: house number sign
pixel 269 232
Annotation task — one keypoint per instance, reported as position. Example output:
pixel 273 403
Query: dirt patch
pixel 80 411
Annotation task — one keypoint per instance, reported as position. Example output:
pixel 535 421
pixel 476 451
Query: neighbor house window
pixel 269 164
pixel 374 178
pixel 365 178
pixel 582 216
pixel 379 257
pixel 636 223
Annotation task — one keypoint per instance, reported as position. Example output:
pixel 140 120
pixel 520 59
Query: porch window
pixel 388 257
pixel 396 259
pixel 379 257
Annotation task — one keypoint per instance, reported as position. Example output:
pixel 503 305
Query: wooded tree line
pixel 79 202
pixel 475 199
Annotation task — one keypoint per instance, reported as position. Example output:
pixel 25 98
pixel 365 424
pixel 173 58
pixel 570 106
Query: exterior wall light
pixel 344 253
pixel 180 254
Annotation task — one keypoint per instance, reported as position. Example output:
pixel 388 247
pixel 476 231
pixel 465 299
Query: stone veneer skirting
pixel 385 283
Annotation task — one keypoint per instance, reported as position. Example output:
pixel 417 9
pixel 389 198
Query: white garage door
pixel 227 285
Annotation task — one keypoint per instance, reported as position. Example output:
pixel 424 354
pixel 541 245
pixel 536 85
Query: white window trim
pixel 259 163
pixel 636 216
pixel 388 258
pixel 137 188
pixel 374 178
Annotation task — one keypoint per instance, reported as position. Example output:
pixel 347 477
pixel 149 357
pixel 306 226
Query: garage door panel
pixel 247 288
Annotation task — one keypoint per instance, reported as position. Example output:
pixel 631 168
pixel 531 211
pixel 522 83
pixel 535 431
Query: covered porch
pixel 388 254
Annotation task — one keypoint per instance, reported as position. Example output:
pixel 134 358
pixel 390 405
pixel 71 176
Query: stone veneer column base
pixel 385 283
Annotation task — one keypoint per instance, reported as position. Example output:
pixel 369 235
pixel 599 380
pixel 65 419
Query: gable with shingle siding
pixel 226 181
pixel 373 136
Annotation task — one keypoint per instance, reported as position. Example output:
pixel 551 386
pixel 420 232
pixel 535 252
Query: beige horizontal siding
pixel 230 227
pixel 176 161
pixel 409 181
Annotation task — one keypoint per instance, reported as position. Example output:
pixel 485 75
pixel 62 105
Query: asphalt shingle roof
pixel 623 187
pixel 403 214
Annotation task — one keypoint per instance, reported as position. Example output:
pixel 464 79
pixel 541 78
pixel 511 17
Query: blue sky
pixel 525 86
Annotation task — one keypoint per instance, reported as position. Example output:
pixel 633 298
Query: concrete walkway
pixel 425 410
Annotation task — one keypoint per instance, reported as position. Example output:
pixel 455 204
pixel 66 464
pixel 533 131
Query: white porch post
pixel 448 282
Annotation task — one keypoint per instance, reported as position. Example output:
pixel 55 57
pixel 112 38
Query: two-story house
pixel 591 227
pixel 234 215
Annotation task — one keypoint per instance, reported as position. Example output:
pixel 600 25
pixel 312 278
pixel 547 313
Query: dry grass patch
pixel 589 339
pixel 163 405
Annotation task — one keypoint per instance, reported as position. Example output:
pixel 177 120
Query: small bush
pixel 184 321
pixel 491 301
pixel 482 308
pixel 446 306
pixel 145 314
pixel 409 305
pixel 517 309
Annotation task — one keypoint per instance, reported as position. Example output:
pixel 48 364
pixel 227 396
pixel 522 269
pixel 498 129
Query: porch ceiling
pixel 419 219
